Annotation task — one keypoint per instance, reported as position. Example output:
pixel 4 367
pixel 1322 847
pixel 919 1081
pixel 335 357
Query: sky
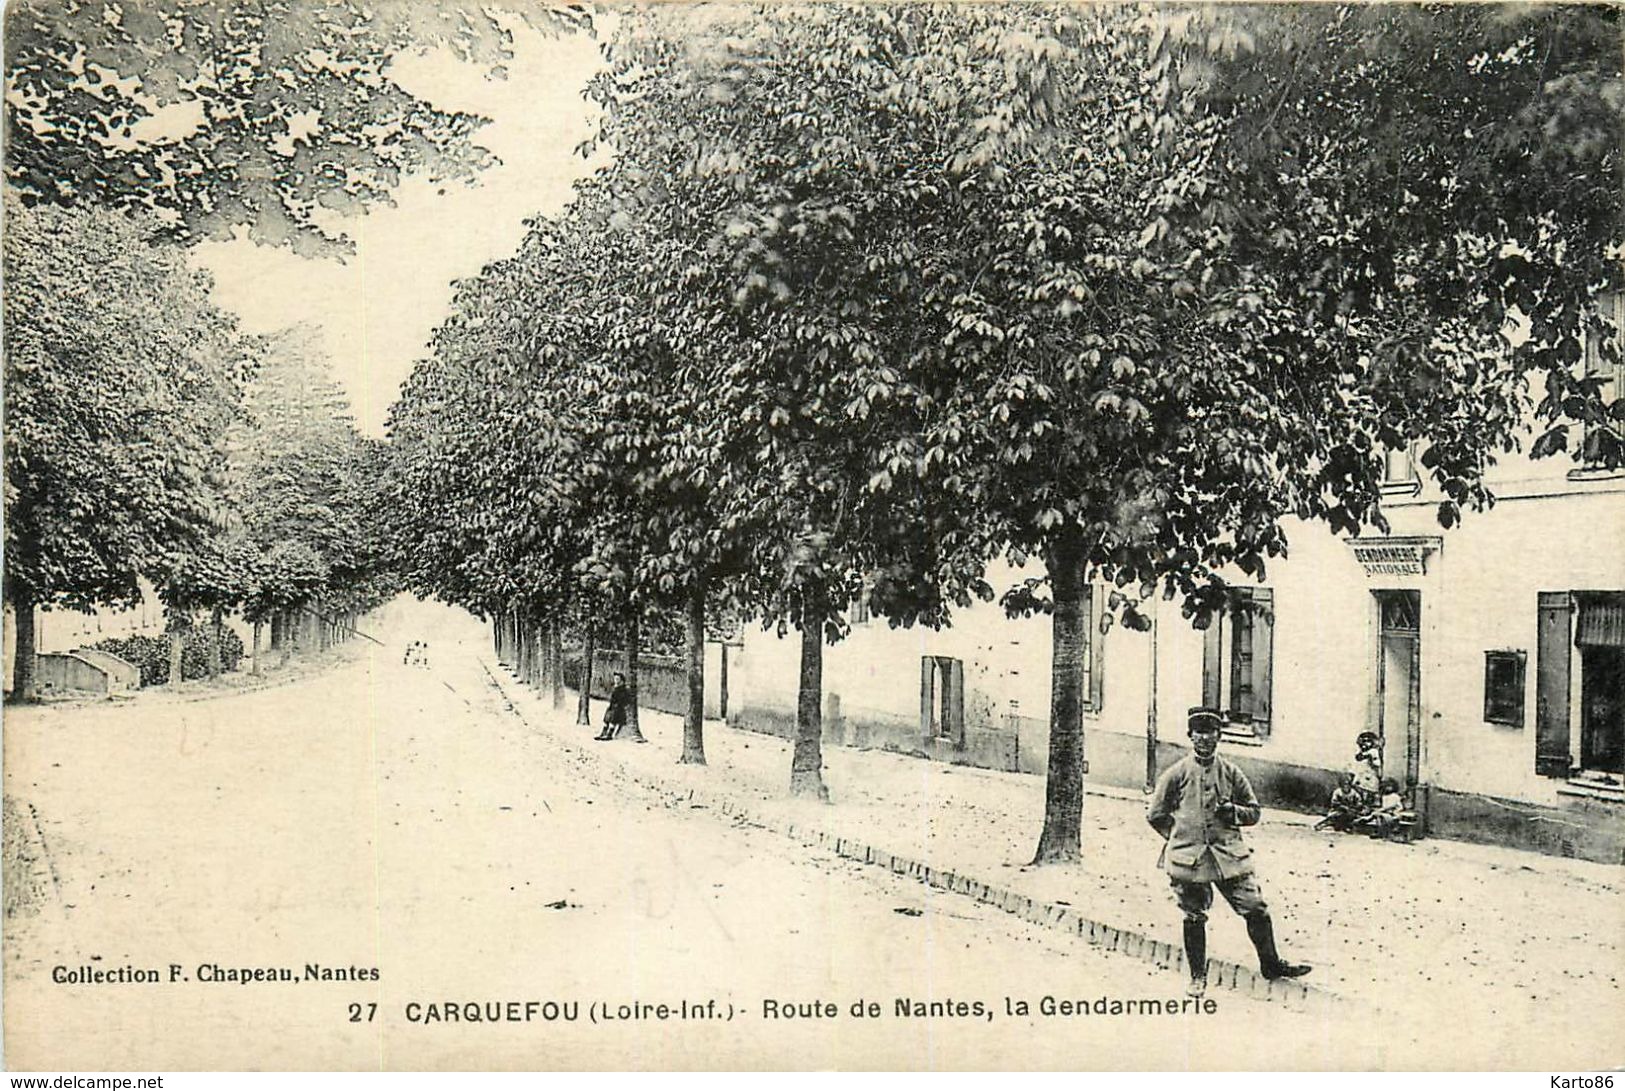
pixel 378 307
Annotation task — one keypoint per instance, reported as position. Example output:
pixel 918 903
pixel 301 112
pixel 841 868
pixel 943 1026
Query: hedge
pixel 150 654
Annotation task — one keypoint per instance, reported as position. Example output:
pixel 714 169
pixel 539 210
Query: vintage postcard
pixel 813 536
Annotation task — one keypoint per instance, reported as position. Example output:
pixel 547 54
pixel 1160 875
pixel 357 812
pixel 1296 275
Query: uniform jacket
pixel 1200 846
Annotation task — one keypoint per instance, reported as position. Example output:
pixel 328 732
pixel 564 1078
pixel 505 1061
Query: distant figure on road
pixel 1199 806
pixel 620 700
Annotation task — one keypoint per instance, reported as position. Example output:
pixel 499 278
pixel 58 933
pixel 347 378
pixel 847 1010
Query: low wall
pixel 1579 827
pixel 1586 829
pixel 1119 760
pixel 1021 745
pixel 122 676
pixel 68 672
pixel 662 680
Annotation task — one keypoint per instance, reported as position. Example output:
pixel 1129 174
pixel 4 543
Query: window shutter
pixel 1552 747
pixel 1211 654
pixel 956 702
pixel 1263 653
pixel 927 695
pixel 1097 647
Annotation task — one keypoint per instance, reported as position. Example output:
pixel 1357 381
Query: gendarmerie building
pixel 1490 658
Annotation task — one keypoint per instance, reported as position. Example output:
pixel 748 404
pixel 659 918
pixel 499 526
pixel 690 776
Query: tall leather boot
pixel 1196 956
pixel 1261 930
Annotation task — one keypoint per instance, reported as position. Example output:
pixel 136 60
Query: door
pixel 1602 709
pixel 1399 685
pixel 942 699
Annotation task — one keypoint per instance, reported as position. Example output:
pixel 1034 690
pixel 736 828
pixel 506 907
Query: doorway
pixel 1602 709
pixel 1399 684
pixel 942 699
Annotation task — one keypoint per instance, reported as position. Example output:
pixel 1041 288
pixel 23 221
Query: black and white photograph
pixel 819 536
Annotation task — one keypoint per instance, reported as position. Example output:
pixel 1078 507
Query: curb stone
pixel 1293 995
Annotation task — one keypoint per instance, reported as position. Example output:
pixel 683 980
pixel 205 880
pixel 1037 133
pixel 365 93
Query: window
pixel 1401 612
pixel 1583 632
pixel 1094 677
pixel 1608 365
pixel 942 699
pixel 1503 688
pixel 1237 672
pixel 859 613
pixel 1399 470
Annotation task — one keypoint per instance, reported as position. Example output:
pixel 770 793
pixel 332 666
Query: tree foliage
pixel 871 293
pixel 266 115
pixel 119 391
pixel 307 486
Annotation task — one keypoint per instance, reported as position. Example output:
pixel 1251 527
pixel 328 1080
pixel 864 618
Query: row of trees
pixel 146 436
pixel 870 295
pixel 149 440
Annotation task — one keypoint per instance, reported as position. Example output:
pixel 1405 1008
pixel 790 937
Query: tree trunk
pixel 632 731
pixel 214 644
pixel 1061 840
pixel 176 640
pixel 555 660
pixel 254 663
pixel 541 668
pixel 694 722
pixel 807 762
pixel 23 687
pixel 526 650
pixel 541 657
pixel 276 630
pixel 584 702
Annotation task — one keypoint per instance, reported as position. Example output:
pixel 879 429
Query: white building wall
pixel 1489 575
pixel 1479 593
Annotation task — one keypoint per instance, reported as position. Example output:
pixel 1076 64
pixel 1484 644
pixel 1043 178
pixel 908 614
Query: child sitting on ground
pixel 1348 806
pixel 1386 815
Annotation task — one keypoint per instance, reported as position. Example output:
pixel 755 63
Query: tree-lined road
pixel 394 817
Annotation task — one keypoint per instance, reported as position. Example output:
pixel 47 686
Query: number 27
pixel 356 1009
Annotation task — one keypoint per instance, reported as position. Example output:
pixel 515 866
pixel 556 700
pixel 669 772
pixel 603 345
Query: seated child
pixel 1347 807
pixel 1386 815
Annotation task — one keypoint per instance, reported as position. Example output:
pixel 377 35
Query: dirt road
pixel 393 835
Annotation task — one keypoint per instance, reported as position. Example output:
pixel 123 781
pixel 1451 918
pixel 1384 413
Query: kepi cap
pixel 1205 717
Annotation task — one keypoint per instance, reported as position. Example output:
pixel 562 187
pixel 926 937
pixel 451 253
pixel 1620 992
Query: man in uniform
pixel 1199 806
